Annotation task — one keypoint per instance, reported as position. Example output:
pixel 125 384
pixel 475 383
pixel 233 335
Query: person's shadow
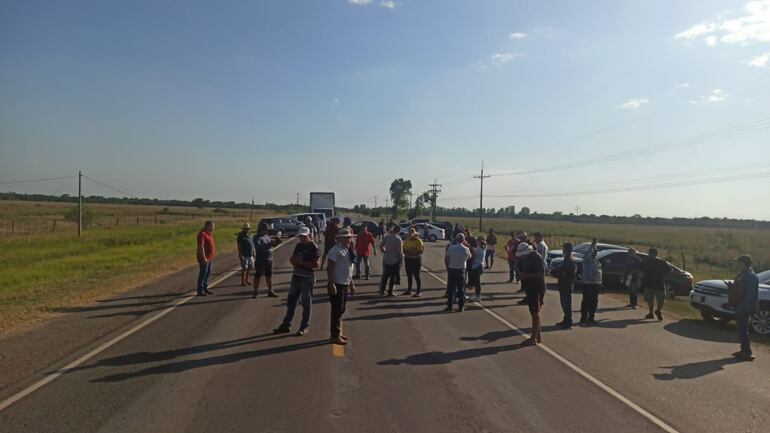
pixel 695 370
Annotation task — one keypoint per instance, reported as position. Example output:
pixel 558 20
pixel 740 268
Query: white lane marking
pixel 101 348
pixel 657 421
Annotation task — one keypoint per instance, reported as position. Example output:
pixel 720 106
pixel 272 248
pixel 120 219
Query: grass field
pixel 43 273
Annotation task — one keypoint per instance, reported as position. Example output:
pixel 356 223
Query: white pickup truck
pixel 710 298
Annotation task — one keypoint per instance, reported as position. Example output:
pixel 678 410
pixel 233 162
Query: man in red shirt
pixel 205 255
pixel 364 243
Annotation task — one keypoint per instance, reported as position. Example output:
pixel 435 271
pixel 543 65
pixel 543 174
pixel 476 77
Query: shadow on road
pixel 695 370
pixel 439 358
pixel 182 366
pixel 700 330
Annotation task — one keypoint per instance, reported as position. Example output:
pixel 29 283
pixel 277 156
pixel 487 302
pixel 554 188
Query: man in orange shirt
pixel 364 246
pixel 205 255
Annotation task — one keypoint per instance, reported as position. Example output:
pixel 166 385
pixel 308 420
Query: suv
pixel 710 298
pixel 581 249
pixel 434 233
pixel 282 226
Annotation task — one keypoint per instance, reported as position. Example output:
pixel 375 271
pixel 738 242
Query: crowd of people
pixel 466 258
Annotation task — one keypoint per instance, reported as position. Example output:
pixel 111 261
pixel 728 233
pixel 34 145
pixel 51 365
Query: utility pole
pixel 297 199
pixel 375 201
pixel 80 204
pixel 434 190
pixel 481 196
pixel 577 210
pixel 251 210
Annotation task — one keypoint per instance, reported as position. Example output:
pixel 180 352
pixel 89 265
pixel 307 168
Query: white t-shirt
pixel 458 255
pixel 343 269
pixel 542 249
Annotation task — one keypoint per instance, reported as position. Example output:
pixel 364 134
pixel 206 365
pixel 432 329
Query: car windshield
pixel 764 277
pixel 582 248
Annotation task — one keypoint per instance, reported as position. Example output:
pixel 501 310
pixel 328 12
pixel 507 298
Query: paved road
pixel 212 364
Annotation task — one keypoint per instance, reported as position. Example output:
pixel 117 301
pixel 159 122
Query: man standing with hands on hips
pixel 305 261
pixel 205 255
pixel 339 271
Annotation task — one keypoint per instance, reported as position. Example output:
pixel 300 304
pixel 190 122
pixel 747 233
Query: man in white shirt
pixel 339 271
pixel 456 258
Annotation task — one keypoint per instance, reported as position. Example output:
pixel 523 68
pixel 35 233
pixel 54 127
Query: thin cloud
pixel 502 58
pixel 760 61
pixel 359 2
pixel 633 104
pixel 517 36
pixel 388 4
pixel 683 85
pixel 716 95
pixel 753 26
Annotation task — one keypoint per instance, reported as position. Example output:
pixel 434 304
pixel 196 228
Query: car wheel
pixel 710 317
pixel 432 238
pixel 670 291
pixel 279 233
pixel 760 322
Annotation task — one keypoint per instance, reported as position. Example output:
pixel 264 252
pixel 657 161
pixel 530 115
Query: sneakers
pixel 208 292
pixel 254 295
pixel 649 316
pixel 447 310
pixel 743 356
pixel 390 293
pixel 303 331
pixel 522 302
pixel 338 340
pixel 382 292
pixel 407 293
pixel 272 294
pixel 461 309
pixel 366 277
pixel 200 294
pixel 591 322
pixel 417 295
pixel 566 325
pixel 659 315
pixel 283 329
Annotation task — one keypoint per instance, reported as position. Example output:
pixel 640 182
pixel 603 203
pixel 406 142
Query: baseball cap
pixel 303 231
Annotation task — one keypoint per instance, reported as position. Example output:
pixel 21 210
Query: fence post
pixel 684 262
pixel 137 220
pixel 117 221
pixel 13 227
pixel 53 229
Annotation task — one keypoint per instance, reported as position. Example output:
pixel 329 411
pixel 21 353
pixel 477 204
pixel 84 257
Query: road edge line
pixel 603 386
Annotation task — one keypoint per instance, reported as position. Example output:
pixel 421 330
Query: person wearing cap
pixel 744 298
pixel 339 271
pixel 510 248
pixel 540 246
pixel 532 274
pixel 456 260
pixel 391 248
pixel 630 278
pixel 205 256
pixel 309 224
pixel 245 252
pixel 330 237
pixel 489 255
pixel 653 273
pixel 566 274
pixel 263 259
pixel 591 284
pixel 364 247
pixel 305 261
pixel 413 248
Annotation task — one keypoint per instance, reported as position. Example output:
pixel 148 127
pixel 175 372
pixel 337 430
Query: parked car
pixel 678 282
pixel 710 298
pixel 434 233
pixel 282 226
pixel 373 227
pixel 317 216
pixel 581 249
pixel 444 225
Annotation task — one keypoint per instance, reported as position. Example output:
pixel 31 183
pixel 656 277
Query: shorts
pixel 534 300
pixel 474 276
pixel 247 263
pixel 654 294
pixel 263 268
pixel 489 253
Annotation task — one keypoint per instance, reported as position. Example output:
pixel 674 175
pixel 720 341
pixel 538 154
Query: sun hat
pixel 345 232
pixel 246 226
pixel 303 231
pixel 523 249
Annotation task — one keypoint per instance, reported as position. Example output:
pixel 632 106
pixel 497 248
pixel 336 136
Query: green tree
pixel 200 203
pixel 399 195
pixel 89 215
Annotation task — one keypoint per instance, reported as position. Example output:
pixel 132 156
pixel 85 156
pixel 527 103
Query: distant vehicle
pixel 442 224
pixel 322 202
pixel 418 220
pixel 282 226
pixel 434 233
pixel 315 215
pixel 678 282
pixel 581 249
pixel 710 298
pixel 373 227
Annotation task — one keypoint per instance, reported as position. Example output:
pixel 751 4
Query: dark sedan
pixel 282 226
pixel 678 282
pixel 373 227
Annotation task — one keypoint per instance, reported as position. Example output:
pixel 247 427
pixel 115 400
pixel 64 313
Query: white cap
pixel 523 249
pixel 303 231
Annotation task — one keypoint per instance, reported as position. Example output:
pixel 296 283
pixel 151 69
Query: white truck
pixel 322 202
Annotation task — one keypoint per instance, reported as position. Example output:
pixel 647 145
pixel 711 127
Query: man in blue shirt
pixel 744 298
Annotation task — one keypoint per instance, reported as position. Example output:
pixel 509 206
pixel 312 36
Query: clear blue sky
pixel 233 99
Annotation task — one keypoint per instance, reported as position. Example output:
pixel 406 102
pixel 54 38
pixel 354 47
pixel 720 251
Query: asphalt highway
pixel 212 364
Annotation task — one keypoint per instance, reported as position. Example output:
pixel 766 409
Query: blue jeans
pixel 359 259
pixel 389 275
pixel 565 296
pixel 511 270
pixel 742 321
pixel 204 270
pixel 456 287
pixel 300 287
pixel 633 293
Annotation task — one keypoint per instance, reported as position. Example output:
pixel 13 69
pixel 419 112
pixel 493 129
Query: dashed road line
pixel 640 410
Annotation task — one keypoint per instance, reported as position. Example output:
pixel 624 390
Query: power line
pixel 108 186
pixel 38 180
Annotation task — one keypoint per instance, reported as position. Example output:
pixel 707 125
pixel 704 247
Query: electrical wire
pixel 13 182
pixel 108 186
